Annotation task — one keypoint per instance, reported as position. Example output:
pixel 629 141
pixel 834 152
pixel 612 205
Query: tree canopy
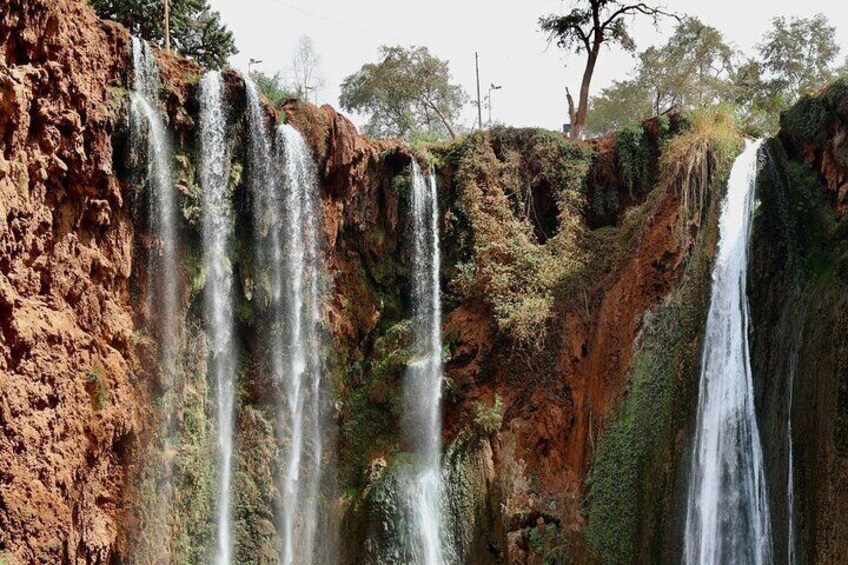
pixel 408 92
pixel 798 55
pixel 196 29
pixel 696 68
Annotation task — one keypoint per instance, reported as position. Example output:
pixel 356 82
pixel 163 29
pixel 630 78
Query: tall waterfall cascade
pixel 217 236
pixel 151 148
pixel 791 377
pixel 284 185
pixel 424 374
pixel 727 518
pixel 301 379
pixel 146 122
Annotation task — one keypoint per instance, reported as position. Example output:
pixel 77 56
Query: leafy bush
pixel 690 160
pixel 488 419
pixel 634 157
pixel 510 267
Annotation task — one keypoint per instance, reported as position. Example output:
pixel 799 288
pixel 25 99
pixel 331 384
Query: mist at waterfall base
pixel 727 517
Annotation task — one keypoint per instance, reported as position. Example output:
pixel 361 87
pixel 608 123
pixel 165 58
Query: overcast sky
pixel 513 52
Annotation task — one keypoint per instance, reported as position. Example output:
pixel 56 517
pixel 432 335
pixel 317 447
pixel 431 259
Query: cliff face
pixel 531 378
pixel 69 407
pixel 575 282
pixel 798 302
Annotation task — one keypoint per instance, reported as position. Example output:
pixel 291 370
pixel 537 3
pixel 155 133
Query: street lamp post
pixel 492 87
pixel 251 63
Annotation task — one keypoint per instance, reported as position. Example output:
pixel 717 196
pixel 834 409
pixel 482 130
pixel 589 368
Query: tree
pixel 306 68
pixel 694 69
pixel 409 91
pixel 759 106
pixel 798 56
pixel 196 29
pixel 617 106
pixel 591 25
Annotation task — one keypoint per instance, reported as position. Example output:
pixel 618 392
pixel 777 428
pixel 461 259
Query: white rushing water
pixel 147 123
pixel 727 519
pixel 217 235
pixel 791 554
pixel 151 147
pixel 424 374
pixel 294 253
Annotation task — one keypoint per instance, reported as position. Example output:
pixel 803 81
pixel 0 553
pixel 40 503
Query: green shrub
pixel 488 419
pixel 515 272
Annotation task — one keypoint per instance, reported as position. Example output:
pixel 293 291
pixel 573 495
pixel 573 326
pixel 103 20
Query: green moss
pixel 812 118
pixel 635 153
pixel 373 403
pixel 255 532
pixel 392 352
pixel 541 537
pixel 117 103
pixel 194 470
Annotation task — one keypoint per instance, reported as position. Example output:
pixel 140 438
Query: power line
pixel 333 21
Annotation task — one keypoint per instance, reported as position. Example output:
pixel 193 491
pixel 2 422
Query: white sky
pixel 513 52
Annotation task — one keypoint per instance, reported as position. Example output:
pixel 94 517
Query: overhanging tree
pixel 591 25
pixel 196 29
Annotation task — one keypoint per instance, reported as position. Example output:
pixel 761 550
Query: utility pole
pixel 167 26
pixel 479 100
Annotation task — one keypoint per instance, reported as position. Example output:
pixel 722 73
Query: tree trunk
pixel 583 103
pixel 167 26
pixel 572 111
pixel 442 117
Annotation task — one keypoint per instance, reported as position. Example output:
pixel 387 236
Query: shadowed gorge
pixel 237 330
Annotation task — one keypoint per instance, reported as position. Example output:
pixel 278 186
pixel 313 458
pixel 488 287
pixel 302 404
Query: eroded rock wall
pixel 69 404
pixel 799 294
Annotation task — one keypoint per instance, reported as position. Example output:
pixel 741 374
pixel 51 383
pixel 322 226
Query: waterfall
pixel 146 121
pixel 424 374
pixel 727 518
pixel 217 233
pixel 151 145
pixel 288 238
pixel 791 551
